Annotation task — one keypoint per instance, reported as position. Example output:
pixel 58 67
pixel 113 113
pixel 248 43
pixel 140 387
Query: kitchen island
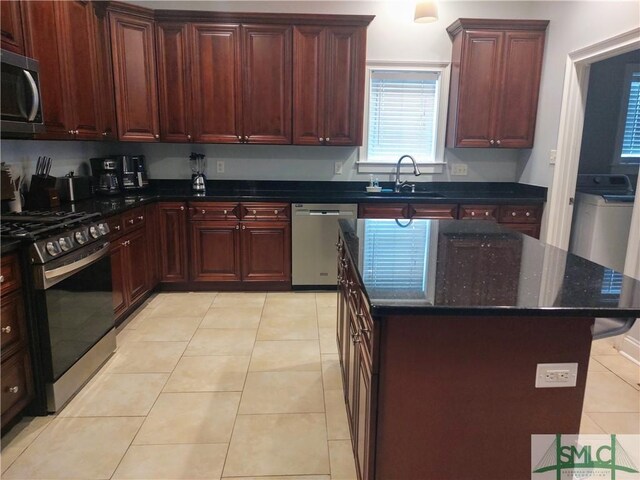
pixel 442 326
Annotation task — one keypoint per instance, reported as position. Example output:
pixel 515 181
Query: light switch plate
pixel 556 375
pixel 337 168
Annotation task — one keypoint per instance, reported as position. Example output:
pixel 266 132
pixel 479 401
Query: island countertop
pixel 463 267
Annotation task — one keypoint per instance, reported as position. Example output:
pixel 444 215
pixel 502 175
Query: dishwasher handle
pixel 323 213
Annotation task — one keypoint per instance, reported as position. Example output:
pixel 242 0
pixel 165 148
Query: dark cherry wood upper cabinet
pixel 266 86
pixel 266 251
pixel 105 76
pixel 134 71
pixel 174 82
pixel 11 36
pixel 78 27
pixel 328 83
pixel 173 242
pixel 44 43
pixel 216 73
pixel 495 79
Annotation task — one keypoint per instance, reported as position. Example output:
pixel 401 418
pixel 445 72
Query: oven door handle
pixel 51 277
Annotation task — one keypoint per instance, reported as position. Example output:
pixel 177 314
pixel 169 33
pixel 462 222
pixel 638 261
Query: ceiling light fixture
pixel 426 12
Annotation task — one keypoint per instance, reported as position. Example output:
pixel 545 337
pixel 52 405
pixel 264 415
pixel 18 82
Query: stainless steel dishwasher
pixel 314 236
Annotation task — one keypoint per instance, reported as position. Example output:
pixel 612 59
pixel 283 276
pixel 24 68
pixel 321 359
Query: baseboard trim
pixel 630 349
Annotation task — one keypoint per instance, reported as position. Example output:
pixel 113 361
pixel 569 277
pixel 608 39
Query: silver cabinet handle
pixel 254 212
pixel 141 217
pixel 244 227
pixel 6 329
pixel 181 208
pixel 14 389
pixel 321 139
pixel 204 211
pixel 237 227
pixel 1 278
pixel 497 142
pixel 117 228
pixel 224 211
pixel 156 136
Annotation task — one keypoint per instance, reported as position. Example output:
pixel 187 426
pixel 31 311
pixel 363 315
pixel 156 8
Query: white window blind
pixel 402 115
pixel 395 257
pixel 631 136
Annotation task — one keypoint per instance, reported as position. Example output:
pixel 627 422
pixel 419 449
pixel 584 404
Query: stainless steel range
pixel 67 273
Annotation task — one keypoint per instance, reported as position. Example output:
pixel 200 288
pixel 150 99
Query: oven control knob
pixel 103 229
pixel 65 243
pixel 94 231
pixel 53 248
pixel 81 237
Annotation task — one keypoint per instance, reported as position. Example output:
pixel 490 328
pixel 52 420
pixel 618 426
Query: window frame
pixel 629 162
pixel 442 69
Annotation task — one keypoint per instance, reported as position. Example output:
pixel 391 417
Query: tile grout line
pixel 324 396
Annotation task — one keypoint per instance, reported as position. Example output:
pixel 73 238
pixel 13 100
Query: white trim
pixel 560 211
pixel 386 167
pixel 630 349
pixel 442 93
pixel 622 118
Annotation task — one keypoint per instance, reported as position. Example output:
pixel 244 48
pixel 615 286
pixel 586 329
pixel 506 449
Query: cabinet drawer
pixel 519 214
pixel 10 271
pixel 478 212
pixel 116 227
pixel 383 210
pixel 17 384
pixel 12 323
pixel 426 210
pixel 265 211
pixel 133 218
pixel 213 211
pixel 531 229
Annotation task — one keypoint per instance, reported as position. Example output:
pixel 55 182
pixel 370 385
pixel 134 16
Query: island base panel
pixel 457 400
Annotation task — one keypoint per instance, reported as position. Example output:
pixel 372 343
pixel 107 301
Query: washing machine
pixel 602 218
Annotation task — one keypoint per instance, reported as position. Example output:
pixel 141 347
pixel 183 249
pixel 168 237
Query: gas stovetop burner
pixel 33 224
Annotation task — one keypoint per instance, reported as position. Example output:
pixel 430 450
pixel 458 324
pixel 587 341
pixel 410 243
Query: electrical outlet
pixel 459 169
pixel 220 166
pixel 552 157
pixel 553 375
pixel 337 168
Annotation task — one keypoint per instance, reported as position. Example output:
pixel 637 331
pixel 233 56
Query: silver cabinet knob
pixel 141 217
pixel 527 214
pixel 131 221
pixel 473 214
pixel 237 227
pixel 497 142
pixel 6 329
pixel 244 227
pixel 188 137
pixel 156 136
pixel 254 212
pixel 321 139
pixel 491 142
pixel 513 214
pixel 181 208
pixel 104 134
pixel 203 211
pixel 486 214
pixel 246 138
pixel 1 278
pixel 70 132
pixel 275 211
pixel 224 211
pixel 14 389
pixel 327 139
pixel 117 228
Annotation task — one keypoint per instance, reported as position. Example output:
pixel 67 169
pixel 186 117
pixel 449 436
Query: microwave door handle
pixel 34 92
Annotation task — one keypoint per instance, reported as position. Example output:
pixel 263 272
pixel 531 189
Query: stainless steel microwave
pixel 21 100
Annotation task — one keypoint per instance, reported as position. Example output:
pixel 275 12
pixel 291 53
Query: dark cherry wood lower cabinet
pixel 444 396
pixel 17 377
pixel 215 251
pixel 118 273
pixel 173 242
pixel 266 251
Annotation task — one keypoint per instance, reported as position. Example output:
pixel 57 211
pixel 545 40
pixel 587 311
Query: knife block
pixel 42 193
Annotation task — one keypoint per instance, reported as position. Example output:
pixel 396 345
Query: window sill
pixel 385 167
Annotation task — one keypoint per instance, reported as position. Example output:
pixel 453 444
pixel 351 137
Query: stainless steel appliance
pixel 198 167
pixel 74 189
pixel 134 172
pixel 70 307
pixel 21 99
pixel 107 173
pixel 314 235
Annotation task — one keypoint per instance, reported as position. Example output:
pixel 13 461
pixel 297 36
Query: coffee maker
pixel 107 175
pixel 134 173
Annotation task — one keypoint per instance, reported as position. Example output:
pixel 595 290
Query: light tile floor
pixel 242 385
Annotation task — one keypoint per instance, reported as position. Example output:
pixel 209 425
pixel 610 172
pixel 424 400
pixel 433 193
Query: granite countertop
pixel 462 267
pixel 315 192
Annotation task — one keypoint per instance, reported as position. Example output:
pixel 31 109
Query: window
pixel 629 136
pixel 611 282
pixel 404 114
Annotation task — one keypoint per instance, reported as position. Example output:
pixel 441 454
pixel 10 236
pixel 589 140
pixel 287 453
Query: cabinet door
pixel 266 252
pixel 105 75
pixel 352 383
pixel 266 89
pixel 217 98
pixel 519 86
pixel 174 82
pixel 45 45
pixel 173 242
pixel 134 72
pixel 153 248
pixel 344 92
pixel 11 26
pixel 118 273
pixel 309 56
pixel 478 88
pixel 16 385
pixel 137 251
pixel 81 59
pixel 14 328
pixel 364 429
pixel 215 251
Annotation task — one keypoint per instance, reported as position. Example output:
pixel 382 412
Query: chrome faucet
pixel 416 172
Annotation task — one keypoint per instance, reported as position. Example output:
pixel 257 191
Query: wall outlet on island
pixel 220 166
pixel 337 168
pixel 551 375
pixel 459 169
